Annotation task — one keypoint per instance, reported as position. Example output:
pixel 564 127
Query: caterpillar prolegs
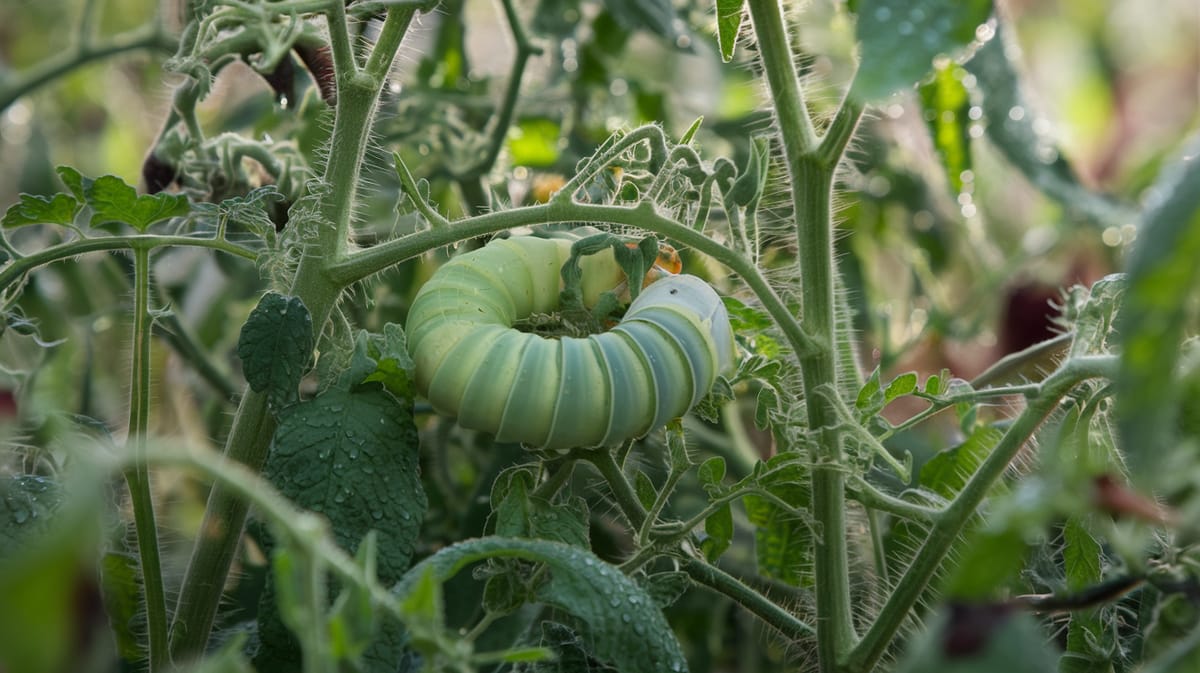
pixel 559 393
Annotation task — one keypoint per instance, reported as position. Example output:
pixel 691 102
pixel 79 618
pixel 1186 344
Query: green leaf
pixel 352 454
pixel 113 202
pixel 620 622
pixel 1163 278
pixel 744 318
pixel 782 542
pixel 571 654
pixel 74 181
pixel 644 488
pixel 900 386
pixel 394 367
pixel 870 398
pixel 666 587
pixel 729 22
pixel 32 209
pixel 948 471
pixel 947 106
pixel 900 39
pixel 229 659
pixel 711 473
pixel 991 559
pixel 275 346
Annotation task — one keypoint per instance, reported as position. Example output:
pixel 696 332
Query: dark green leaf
pixel 666 587
pixel 352 455
pixel 621 623
pixel 571 653
pixel 948 471
pixel 900 39
pixel 746 318
pixel 520 514
pixel 31 209
pixel 729 22
pixel 74 182
pixel 645 490
pixel 27 505
pixel 1163 277
pixel 113 202
pixel 991 559
pixel 710 474
pixel 947 105
pixel 275 347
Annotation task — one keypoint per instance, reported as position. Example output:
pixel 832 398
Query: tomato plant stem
pixel 253 427
pixel 138 476
pixel 762 607
pixel 811 181
pixel 949 524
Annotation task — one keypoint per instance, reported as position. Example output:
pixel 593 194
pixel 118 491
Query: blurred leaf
pixel 32 209
pixel 27 505
pixel 229 659
pixel 948 471
pixel 656 16
pixel 991 558
pixel 1163 277
pixel 631 637
pixel 979 639
pixel 275 346
pixel 571 654
pixel 900 39
pixel 1082 558
pixel 729 22
pixel 113 202
pixel 120 579
pixel 534 142
pixel 1009 122
pixel 946 104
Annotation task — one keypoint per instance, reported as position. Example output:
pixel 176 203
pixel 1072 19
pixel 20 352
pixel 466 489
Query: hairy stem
pixel 947 526
pixel 762 607
pixel 253 427
pixel 138 476
pixel 811 181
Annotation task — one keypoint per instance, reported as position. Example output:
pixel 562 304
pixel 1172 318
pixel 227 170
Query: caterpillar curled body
pixel 559 393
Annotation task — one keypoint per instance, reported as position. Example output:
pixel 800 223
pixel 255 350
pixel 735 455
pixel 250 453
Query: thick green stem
pixel 253 427
pixel 138 476
pixel 811 181
pixel 947 527
pixel 627 500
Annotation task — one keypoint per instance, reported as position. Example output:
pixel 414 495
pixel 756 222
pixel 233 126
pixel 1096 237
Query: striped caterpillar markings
pixel 471 363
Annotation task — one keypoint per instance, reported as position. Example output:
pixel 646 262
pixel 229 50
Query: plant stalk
pixel 138 476
pixel 249 438
pixel 811 182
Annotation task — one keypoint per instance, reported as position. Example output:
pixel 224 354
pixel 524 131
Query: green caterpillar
pixel 654 365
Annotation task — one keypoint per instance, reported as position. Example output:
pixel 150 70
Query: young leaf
pixel 1082 558
pixel 33 209
pixel 113 202
pixel 719 530
pixel 900 39
pixel 275 347
pixel 782 542
pixel 900 386
pixel 729 22
pixel 621 623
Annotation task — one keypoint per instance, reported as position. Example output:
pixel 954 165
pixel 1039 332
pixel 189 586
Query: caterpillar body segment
pixel 471 363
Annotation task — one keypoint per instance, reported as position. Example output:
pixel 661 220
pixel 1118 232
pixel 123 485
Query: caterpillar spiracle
pixel 559 393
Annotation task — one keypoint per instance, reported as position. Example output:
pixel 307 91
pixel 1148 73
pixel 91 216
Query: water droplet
pixel 614 602
pixel 353 454
pixel 20 516
pixel 639 629
pixel 625 617
pixel 406 516
pixel 376 514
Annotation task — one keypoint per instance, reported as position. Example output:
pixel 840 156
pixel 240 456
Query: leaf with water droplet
pixel 275 347
pixel 634 639
pixel 27 504
pixel 901 38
